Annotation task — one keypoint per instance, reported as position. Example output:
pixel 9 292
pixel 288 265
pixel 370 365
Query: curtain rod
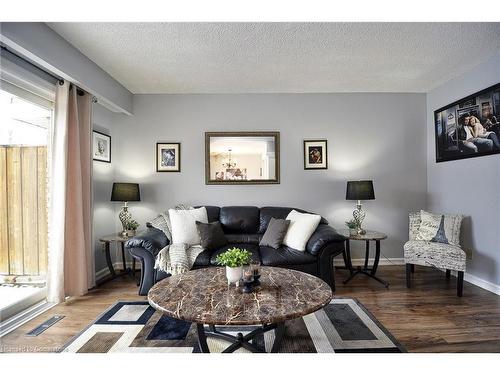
pixel 57 78
pixel 60 80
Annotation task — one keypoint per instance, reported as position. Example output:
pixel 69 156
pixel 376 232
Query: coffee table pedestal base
pixel 240 340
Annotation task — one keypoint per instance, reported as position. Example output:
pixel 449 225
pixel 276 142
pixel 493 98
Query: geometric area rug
pixel 343 326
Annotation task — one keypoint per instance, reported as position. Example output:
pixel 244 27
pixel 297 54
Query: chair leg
pixel 408 275
pixel 460 283
pixel 448 273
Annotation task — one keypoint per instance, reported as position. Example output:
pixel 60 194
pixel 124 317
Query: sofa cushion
pixel 211 235
pixel 266 213
pixel 436 254
pixel 239 219
pixel 244 238
pixel 253 249
pixel 212 213
pixel 203 259
pixel 284 256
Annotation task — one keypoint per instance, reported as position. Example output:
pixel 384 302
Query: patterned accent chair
pixel 432 254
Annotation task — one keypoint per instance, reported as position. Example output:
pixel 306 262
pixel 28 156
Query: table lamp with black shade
pixel 125 192
pixel 359 191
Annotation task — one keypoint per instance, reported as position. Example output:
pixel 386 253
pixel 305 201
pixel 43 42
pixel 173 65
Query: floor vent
pixel 45 325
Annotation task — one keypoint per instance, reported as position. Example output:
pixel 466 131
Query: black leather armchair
pixel 244 227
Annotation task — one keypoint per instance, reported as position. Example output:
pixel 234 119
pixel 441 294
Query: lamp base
pixel 124 217
pixel 359 215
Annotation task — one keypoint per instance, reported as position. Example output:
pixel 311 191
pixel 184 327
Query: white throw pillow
pixel 183 224
pixel 301 227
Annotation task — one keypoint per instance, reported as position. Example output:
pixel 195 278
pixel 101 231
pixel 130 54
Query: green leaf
pixel 234 257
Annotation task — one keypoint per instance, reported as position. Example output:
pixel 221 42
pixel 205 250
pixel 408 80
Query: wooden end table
pixel 116 238
pixel 203 297
pixel 370 235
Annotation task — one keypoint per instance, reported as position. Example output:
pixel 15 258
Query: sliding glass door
pixel 25 121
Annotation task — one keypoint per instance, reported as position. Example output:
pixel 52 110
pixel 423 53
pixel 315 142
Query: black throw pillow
pixel 211 235
pixel 275 233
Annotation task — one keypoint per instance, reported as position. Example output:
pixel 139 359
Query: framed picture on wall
pixel 101 147
pixel 315 154
pixel 469 127
pixel 168 157
pixel 242 158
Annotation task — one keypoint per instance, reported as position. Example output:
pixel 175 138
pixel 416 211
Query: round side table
pixel 370 235
pixel 116 238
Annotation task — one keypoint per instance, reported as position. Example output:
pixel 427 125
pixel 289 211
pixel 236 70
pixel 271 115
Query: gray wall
pixel 469 186
pixel 105 221
pixel 370 136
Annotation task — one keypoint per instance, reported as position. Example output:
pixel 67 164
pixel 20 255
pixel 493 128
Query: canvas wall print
pixel 168 157
pixel 315 154
pixel 469 127
pixel 101 148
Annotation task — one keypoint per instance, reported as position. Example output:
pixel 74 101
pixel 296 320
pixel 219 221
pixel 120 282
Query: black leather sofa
pixel 244 226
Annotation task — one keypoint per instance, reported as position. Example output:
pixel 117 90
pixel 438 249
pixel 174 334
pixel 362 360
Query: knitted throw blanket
pixel 176 258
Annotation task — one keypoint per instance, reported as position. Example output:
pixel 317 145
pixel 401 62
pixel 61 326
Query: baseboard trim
pixel 382 261
pixel 118 266
pixel 477 281
pixel 489 286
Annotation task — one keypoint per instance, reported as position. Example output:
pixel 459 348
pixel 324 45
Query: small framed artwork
pixel 315 154
pixel 168 157
pixel 101 149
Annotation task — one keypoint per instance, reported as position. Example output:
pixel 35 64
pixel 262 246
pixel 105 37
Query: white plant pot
pixel 234 275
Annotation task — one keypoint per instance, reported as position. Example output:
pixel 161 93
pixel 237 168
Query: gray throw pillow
pixel 275 233
pixel 211 235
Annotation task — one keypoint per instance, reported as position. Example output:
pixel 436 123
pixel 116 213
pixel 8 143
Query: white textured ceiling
pixel 283 57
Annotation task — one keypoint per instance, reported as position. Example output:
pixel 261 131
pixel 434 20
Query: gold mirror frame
pixel 208 135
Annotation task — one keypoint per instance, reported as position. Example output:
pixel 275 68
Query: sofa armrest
pixel 152 240
pixel 322 236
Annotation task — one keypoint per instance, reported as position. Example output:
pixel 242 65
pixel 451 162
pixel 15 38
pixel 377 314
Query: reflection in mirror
pixel 244 158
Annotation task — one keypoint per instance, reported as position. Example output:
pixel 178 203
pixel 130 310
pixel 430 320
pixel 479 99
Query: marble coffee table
pixel 203 297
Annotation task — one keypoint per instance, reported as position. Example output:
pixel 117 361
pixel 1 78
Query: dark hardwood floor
pixel 427 318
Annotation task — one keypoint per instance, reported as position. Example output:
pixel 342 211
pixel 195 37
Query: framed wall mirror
pixel 236 158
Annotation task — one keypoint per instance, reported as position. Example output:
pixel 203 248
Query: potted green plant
pixel 131 227
pixel 234 259
pixel 353 226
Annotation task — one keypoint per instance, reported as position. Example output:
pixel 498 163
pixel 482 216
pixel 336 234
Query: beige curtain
pixel 71 263
pixel 78 259
pixel 57 146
